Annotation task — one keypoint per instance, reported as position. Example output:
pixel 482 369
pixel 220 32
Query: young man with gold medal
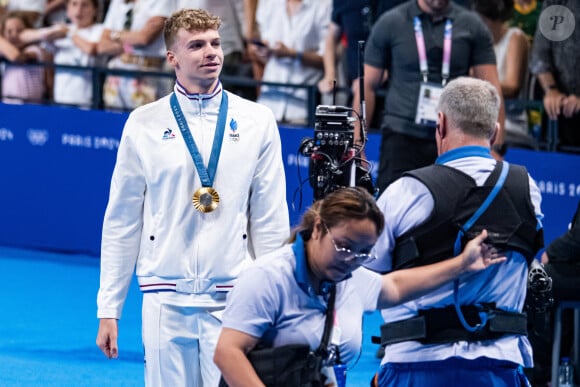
pixel 204 144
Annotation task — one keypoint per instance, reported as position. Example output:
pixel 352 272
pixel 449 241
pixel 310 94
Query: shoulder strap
pixel 323 348
pixel 501 168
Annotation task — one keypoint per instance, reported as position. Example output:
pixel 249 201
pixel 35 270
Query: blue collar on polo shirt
pixel 462 152
pixel 301 270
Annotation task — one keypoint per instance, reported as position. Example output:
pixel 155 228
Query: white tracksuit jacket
pixel 151 225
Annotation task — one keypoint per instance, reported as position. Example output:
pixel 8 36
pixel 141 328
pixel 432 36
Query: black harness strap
pixel 441 325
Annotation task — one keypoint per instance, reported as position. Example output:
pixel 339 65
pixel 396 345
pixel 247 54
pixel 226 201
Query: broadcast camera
pixel 335 160
pixel 334 157
pixel 539 298
pixel 539 289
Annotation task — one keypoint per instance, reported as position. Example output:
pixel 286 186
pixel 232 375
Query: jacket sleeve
pixel 269 224
pixel 122 227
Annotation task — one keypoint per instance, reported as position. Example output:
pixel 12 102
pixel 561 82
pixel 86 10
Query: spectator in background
pixel 409 117
pixel 55 12
pixel 353 21
pixel 526 15
pixel 250 25
pixel 511 51
pixel 8 51
pixel 79 48
pixel 291 44
pixel 21 82
pixel 133 37
pixel 252 33
pixel 31 10
pixel 555 61
pixel 231 13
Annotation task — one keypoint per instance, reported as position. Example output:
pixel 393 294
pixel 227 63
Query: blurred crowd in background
pixel 287 54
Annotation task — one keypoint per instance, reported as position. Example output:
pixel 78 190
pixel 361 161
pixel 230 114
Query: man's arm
pixel 556 102
pixel 269 224
pixel 33 35
pixel 515 66
pixel 142 37
pixel 122 225
pixel 250 27
pixel 107 46
pixel 553 98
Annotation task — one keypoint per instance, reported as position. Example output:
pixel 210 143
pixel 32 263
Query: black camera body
pixel 539 297
pixel 334 161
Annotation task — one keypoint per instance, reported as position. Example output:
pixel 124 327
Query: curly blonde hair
pixel 189 20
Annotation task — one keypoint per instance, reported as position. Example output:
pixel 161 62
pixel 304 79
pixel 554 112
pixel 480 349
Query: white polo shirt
pixel 407 203
pixel 304 31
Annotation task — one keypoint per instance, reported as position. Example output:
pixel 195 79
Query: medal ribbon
pixel 420 40
pixel 206 175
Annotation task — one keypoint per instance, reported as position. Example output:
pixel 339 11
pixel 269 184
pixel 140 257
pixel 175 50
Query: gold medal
pixel 205 199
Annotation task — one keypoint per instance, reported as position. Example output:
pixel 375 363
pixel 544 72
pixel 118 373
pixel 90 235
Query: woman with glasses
pixel 282 299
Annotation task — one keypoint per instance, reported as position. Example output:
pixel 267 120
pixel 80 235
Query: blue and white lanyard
pixel 206 175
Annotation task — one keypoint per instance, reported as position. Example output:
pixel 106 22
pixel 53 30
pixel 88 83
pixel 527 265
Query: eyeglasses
pixel 350 257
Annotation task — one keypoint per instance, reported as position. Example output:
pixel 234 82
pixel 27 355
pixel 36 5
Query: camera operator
pixel 472 331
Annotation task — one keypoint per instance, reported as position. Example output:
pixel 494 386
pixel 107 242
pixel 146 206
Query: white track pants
pixel 179 342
